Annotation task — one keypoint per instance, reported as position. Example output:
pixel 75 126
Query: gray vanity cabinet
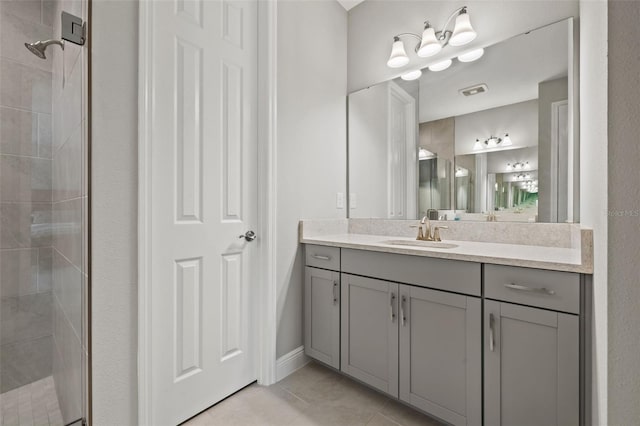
pixel 440 354
pixel 369 335
pixel 322 315
pixel 531 366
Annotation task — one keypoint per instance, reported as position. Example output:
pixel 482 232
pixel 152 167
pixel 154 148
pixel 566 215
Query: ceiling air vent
pixel 474 90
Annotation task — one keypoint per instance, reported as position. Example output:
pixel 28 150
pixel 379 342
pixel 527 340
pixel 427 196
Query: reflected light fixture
pixel 425 154
pixel 440 66
pixel 471 56
pixel 431 42
pixel 411 75
pixel 493 142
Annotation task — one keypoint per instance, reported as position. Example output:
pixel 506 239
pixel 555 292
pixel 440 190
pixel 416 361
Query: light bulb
pixel 492 142
pixel 411 75
pixel 398 57
pixel 463 32
pixel 471 56
pixel 478 145
pixel 429 45
pixel 509 168
pixel 507 140
pixel 440 66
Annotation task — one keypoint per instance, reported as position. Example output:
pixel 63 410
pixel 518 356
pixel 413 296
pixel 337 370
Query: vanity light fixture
pixel 518 166
pixel 461 172
pixel 411 75
pixel 431 42
pixel 493 142
pixel 425 154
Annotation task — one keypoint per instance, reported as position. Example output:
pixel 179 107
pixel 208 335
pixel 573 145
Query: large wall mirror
pixel 491 139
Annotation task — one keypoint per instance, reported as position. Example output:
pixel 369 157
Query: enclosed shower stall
pixel 43 215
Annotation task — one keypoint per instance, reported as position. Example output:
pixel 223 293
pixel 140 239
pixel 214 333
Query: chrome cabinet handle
pixel 492 341
pixel 541 290
pixel 392 314
pixel 249 236
pixel 317 256
pixel 403 318
pixel 335 297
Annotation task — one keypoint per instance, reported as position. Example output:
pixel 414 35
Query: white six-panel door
pixel 203 162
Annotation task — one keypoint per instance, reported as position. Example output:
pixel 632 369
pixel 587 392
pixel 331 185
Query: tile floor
pixel 312 396
pixel 35 404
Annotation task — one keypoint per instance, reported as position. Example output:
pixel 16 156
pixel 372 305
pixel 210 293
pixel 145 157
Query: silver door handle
pixel 541 290
pixel 249 236
pixel 335 297
pixel 317 256
pixel 391 303
pixel 403 318
pixel 492 341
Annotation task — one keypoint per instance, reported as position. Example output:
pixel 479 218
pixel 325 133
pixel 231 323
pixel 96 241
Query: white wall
pixel 373 24
pixel 114 215
pixel 593 179
pixel 311 140
pixel 624 207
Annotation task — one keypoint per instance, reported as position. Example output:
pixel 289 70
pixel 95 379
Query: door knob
pixel 249 236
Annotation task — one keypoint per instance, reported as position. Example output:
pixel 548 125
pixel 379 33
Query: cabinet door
pixel 441 354
pixel 369 350
pixel 531 366
pixel 322 316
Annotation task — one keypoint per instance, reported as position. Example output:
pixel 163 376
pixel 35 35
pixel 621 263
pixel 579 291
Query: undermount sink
pixel 420 243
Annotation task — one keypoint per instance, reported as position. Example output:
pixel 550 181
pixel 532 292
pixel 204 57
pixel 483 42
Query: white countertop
pixel 551 258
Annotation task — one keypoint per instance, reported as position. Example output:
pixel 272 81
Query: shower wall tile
pixel 24 87
pixel 15 31
pixel 67 182
pixel 72 106
pixel 18 272
pixel 69 230
pixel 68 289
pixel 18 132
pixel 48 13
pixel 25 179
pixel 28 10
pixel 25 318
pixel 25 362
pixel 44 135
pixel 45 271
pixel 25 225
pixel 68 366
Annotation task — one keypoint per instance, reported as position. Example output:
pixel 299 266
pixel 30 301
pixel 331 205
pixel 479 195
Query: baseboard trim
pixel 290 362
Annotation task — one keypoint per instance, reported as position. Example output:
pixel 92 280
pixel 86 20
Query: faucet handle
pixel 420 233
pixel 436 232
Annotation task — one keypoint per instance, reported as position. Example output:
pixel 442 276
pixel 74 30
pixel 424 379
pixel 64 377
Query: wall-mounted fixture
pixel 523 176
pixel 492 142
pixel 518 166
pixel 433 41
pixel 461 172
pixel 425 154
pixel 411 75
pixel 73 30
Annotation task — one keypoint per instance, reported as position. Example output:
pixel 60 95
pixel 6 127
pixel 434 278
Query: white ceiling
pixel 349 4
pixel 511 69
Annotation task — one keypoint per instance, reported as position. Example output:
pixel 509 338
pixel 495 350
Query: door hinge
pixel 73 29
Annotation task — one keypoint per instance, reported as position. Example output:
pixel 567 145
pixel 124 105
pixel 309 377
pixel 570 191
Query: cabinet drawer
pixel 323 257
pixel 555 290
pixel 440 274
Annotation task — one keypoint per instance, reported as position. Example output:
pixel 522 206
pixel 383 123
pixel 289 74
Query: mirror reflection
pixel 488 139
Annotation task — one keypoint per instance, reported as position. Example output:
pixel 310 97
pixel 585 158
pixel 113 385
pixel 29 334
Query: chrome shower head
pixel 38 47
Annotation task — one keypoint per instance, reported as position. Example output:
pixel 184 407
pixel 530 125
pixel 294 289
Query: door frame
pixel 267 132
